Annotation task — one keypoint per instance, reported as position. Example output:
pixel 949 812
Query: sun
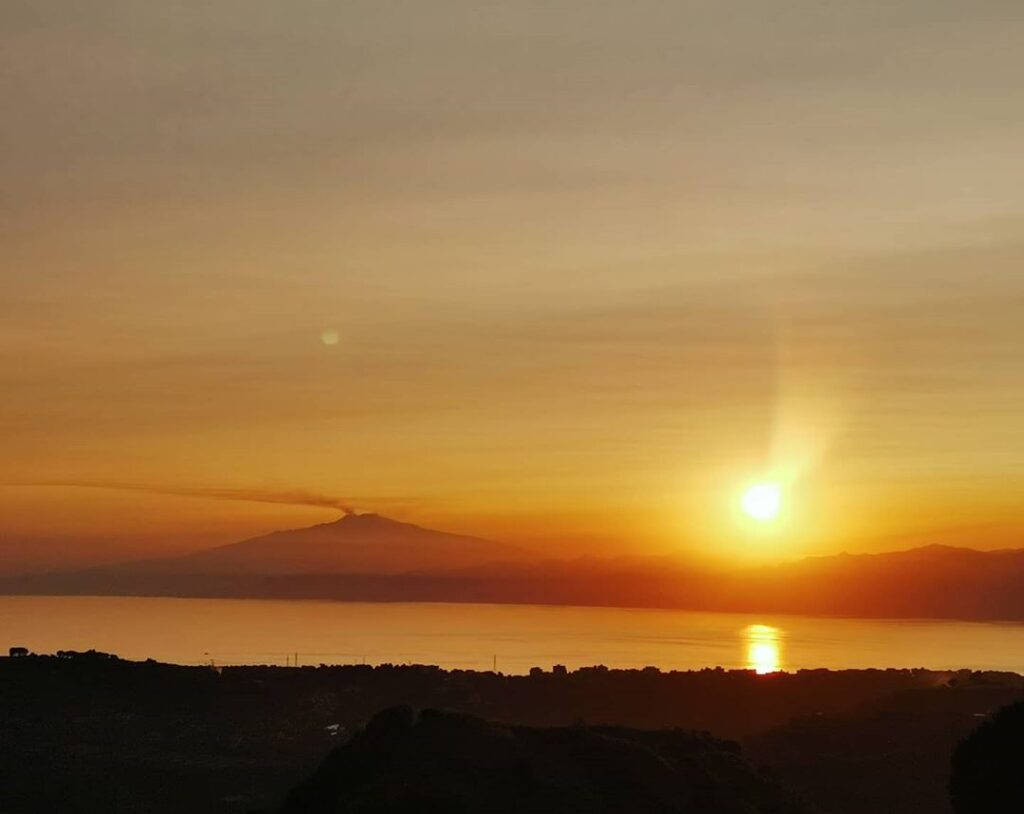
pixel 762 501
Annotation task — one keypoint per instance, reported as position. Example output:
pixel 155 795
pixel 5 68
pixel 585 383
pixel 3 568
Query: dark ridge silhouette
pixel 988 766
pixel 442 763
pixel 354 543
pixel 932 581
pixel 890 754
pixel 88 732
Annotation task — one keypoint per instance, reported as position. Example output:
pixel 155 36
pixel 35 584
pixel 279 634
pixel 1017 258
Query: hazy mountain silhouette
pixel 931 581
pixel 368 557
pixel 356 543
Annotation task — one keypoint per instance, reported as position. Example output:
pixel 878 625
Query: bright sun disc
pixel 762 501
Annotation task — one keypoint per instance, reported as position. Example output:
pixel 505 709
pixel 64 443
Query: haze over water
pixel 516 637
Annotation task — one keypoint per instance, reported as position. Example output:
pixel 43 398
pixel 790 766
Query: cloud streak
pixel 286 497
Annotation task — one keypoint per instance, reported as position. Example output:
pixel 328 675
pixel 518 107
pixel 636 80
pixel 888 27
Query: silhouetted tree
pixel 988 766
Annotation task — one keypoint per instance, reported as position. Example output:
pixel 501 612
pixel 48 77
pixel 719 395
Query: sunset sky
pixel 569 273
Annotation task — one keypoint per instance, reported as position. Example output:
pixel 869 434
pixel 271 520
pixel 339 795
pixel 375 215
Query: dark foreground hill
pixel 89 734
pixel 988 766
pixel 445 763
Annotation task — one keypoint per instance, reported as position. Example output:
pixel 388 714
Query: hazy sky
pixel 591 267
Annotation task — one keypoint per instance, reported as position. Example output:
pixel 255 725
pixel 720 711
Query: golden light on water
pixel 764 648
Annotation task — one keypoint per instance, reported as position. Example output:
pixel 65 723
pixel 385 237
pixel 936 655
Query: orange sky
pixel 591 268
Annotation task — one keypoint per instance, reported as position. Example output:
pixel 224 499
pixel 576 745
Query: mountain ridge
pixel 367 542
pixel 369 557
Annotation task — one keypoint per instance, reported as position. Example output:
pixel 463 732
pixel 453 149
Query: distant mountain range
pixel 932 581
pixel 367 557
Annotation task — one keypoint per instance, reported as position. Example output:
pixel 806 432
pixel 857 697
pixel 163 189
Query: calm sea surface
pixel 516 637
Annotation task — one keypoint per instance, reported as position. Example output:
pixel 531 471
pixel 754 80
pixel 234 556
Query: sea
pixel 507 638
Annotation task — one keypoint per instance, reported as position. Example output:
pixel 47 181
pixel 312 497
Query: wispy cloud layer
pixel 578 258
pixel 285 497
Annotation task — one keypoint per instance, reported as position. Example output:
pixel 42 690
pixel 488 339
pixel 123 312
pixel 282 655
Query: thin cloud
pixel 284 497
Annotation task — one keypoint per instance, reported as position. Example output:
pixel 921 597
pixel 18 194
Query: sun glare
pixel 762 501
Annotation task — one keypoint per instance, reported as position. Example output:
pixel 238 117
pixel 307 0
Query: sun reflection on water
pixel 764 648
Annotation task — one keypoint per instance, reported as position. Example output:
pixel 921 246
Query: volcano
pixel 356 543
